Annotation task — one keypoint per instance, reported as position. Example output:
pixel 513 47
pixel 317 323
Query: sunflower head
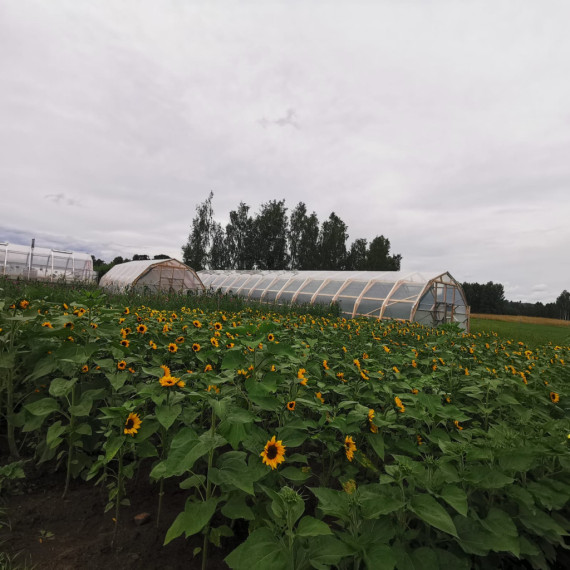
pixel 142 329
pixel 218 326
pixel 554 397
pixel 172 347
pixel 270 337
pixel 274 453
pixel 125 343
pixel 291 405
pixel 180 340
pixel 121 365
pixel 196 347
pixel 132 424
pixel 349 447
pixel 85 369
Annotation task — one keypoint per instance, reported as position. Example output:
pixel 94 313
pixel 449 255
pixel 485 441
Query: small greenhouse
pixel 152 275
pixel 427 298
pixel 44 264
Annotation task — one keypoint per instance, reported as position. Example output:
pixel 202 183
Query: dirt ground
pixel 75 534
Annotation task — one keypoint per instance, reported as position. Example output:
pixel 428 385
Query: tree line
pixel 272 239
pixel 489 298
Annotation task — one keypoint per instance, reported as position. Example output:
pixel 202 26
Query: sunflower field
pixel 335 443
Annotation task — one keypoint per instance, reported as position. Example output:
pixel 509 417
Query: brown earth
pixel 75 534
pixel 521 319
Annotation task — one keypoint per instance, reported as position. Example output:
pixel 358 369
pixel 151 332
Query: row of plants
pixel 61 291
pixel 339 443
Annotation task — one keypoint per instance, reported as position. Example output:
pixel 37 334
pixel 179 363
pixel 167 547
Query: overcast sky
pixel 443 125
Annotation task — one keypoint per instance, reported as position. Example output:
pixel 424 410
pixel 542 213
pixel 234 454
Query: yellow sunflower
pixel 291 406
pixel 400 406
pixel 273 453
pixel 554 397
pixel 142 329
pixel 349 447
pixel 218 326
pixel 125 343
pixel 196 347
pixel 172 347
pixel 197 324
pixel 121 365
pixel 132 424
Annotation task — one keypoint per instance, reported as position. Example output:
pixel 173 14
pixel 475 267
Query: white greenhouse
pixel 152 275
pixel 43 264
pixel 427 298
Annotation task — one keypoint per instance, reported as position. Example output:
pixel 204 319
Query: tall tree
pixel 357 256
pixel 296 229
pixel 488 298
pixel 195 252
pixel 378 256
pixel 219 258
pixel 270 229
pixel 240 239
pixel 303 239
pixel 563 305
pixel 332 243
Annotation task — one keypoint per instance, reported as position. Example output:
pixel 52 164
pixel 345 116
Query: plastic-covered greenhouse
pixel 427 298
pixel 152 275
pixel 28 262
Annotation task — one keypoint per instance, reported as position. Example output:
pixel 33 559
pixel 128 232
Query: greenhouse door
pixel 444 305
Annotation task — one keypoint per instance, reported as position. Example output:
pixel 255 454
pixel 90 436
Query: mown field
pixel 530 330
pixel 334 443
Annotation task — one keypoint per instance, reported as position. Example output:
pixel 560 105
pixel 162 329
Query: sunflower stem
pixel 161 487
pixel 10 396
pixel 208 491
pixel 70 444
pixel 118 496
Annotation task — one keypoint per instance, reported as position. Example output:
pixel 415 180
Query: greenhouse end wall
pixel 152 276
pixel 429 299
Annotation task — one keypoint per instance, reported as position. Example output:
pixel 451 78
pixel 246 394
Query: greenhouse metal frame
pixel 44 264
pixel 427 298
pixel 152 275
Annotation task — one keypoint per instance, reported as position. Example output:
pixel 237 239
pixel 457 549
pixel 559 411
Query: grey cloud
pixel 61 198
pixel 287 121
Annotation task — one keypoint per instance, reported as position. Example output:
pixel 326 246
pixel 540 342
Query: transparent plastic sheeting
pixel 152 275
pixel 43 264
pixel 429 299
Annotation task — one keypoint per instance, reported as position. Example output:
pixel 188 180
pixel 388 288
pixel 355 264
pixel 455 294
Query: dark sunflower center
pixel 129 423
pixel 271 452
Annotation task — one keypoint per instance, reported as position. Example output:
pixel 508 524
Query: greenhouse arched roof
pixel 44 264
pixel 153 275
pixel 428 298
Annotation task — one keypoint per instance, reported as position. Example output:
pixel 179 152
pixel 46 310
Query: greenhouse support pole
pixel 31 257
